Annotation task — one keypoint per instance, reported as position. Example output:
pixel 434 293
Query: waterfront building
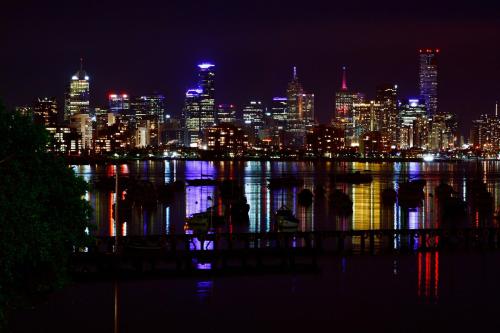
pixel 485 133
pixel 374 144
pixel 226 113
pixel 45 112
pixel 78 94
pixel 299 112
pixel 428 75
pixel 325 141
pixel 227 139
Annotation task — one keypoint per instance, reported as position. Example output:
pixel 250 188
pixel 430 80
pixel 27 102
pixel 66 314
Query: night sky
pixel 140 47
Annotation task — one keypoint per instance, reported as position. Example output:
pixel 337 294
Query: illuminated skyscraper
pixel 152 106
pixel 199 108
pixel 279 109
pixel 387 98
pixel 344 101
pixel 412 120
pixel 119 104
pixel 253 116
pixel 45 112
pixel 78 94
pixel 191 118
pixel 300 112
pixel 429 79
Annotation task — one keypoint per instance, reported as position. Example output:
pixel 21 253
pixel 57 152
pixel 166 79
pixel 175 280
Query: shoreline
pixel 77 160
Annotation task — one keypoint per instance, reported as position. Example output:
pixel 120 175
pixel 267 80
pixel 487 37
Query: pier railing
pixel 337 241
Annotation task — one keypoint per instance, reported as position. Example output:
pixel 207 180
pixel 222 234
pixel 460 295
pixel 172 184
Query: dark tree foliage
pixel 43 215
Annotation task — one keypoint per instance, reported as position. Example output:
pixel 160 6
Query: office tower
pixel 206 80
pixel 119 104
pixel 227 140
pixel 199 108
pixel 344 101
pixel 192 119
pixel 387 98
pixel 45 112
pixel 279 109
pixel 428 75
pixel 412 116
pixel 253 116
pixel 78 94
pixel 153 106
pixel 365 117
pixel 485 133
pixel 226 113
pixel 308 111
pixel 300 112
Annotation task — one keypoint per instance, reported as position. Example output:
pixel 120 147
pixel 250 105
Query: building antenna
pixel 344 79
pixel 496 109
pixel 294 72
pixel 81 64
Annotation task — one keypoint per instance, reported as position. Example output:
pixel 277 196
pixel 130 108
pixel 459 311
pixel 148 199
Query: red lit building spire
pixel 344 79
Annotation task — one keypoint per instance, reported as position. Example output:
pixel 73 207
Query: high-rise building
pixel 226 113
pixel 78 94
pixel 300 112
pixel 119 104
pixel 83 125
pixel 412 116
pixel 387 97
pixel 153 106
pixel 366 117
pixel 253 116
pixel 344 102
pixel 192 119
pixel 428 75
pixel 279 109
pixel 45 111
pixel 199 108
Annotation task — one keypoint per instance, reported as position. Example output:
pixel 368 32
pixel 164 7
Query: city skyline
pixel 161 50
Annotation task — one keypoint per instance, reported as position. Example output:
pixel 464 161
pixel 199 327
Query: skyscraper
pixel 119 104
pixel 199 107
pixel 191 118
pixel 253 116
pixel 387 97
pixel 297 115
pixel 149 106
pixel 428 75
pixel 412 120
pixel 344 101
pixel 78 94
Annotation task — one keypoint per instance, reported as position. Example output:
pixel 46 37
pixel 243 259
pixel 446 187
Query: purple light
pixel 279 98
pixel 205 65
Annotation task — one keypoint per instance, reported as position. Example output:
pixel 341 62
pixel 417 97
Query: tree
pixel 43 214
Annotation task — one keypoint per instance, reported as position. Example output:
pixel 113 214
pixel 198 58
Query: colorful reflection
pixel 368 211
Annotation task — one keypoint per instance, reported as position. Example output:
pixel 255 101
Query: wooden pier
pixel 266 251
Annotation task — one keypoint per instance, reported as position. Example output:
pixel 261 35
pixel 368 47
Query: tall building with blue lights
pixel 428 76
pixel 199 108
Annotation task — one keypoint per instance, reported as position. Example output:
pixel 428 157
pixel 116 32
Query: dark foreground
pixel 425 292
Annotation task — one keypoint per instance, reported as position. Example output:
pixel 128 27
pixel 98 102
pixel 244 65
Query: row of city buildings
pixel 383 126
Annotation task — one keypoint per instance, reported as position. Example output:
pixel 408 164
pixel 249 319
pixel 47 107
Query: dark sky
pixel 143 46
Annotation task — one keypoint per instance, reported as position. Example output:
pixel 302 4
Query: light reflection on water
pixel 368 210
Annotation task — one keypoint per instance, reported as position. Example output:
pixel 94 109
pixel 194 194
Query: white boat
pixel 285 218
